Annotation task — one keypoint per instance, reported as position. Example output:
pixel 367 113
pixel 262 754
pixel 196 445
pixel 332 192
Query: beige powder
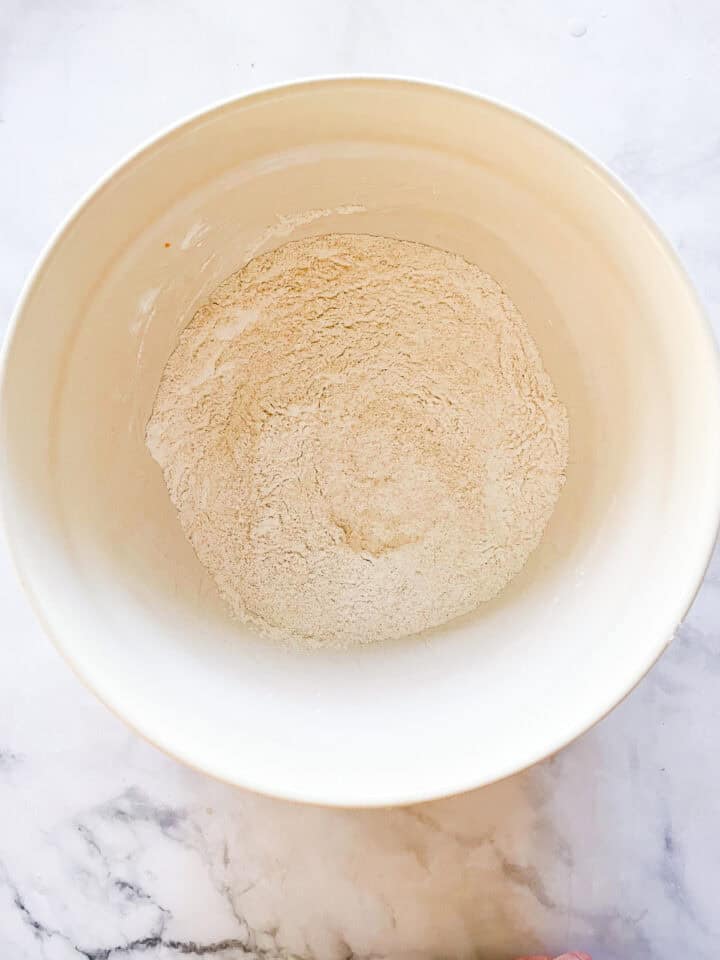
pixel 360 439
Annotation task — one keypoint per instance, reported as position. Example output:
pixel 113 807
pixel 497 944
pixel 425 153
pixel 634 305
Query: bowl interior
pixel 98 542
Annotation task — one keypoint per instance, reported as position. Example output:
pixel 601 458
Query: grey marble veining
pixel 108 849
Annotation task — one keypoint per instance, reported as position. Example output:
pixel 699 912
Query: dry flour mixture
pixel 360 439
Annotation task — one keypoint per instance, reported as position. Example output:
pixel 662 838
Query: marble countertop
pixel 109 849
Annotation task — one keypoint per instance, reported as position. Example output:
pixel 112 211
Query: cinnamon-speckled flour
pixel 360 439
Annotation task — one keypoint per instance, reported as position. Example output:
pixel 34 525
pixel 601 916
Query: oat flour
pixel 360 439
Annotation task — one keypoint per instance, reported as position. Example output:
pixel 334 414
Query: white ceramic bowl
pixel 98 544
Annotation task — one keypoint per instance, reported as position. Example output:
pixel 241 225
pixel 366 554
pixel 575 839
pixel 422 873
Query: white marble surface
pixel 107 848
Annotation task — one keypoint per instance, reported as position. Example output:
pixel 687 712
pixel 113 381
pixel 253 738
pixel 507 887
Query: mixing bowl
pixel 99 546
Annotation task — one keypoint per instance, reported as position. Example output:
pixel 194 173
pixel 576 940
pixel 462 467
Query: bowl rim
pixel 699 563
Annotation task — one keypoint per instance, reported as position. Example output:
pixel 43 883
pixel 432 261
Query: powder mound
pixel 360 439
